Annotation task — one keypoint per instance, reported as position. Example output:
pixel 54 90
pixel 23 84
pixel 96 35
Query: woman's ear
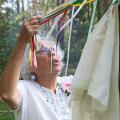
pixel 32 76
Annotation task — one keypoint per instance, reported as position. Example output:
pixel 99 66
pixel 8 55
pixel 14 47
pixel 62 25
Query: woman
pixel 41 99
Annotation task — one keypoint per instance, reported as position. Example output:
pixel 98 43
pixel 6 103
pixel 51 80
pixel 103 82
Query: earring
pixel 32 76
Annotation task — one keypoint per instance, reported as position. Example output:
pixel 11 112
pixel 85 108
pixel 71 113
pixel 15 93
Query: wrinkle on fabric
pixel 95 94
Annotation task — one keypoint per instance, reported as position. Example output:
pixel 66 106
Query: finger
pixel 35 18
pixel 33 22
pixel 33 30
pixel 35 26
pixel 30 19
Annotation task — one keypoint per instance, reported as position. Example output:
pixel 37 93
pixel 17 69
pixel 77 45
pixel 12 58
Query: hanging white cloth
pixel 95 94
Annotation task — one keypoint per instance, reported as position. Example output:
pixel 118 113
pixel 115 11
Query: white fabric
pixel 95 94
pixel 39 103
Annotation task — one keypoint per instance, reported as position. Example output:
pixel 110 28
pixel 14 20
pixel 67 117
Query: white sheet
pixel 95 85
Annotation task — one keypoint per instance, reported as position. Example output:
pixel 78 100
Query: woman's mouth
pixel 56 62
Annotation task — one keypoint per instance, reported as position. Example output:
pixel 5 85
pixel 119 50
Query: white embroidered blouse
pixel 39 103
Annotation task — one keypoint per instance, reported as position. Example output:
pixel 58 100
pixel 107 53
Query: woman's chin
pixel 56 70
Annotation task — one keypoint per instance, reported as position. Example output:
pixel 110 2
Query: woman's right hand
pixel 29 28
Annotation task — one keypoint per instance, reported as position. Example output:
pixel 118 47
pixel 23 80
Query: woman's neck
pixel 48 81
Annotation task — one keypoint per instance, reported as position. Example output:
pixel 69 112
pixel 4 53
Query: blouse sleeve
pixel 23 93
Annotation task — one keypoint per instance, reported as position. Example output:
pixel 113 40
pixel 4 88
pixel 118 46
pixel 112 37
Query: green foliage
pixel 2 1
pixel 9 29
pixel 7 116
pixel 4 115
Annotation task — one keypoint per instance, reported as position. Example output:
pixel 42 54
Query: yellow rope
pixel 79 4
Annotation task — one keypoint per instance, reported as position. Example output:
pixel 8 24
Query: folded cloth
pixel 95 94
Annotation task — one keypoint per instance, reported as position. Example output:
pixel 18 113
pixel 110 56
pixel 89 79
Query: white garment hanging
pixel 95 94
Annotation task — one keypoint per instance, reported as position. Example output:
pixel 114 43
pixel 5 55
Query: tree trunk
pixel 18 6
pixel 28 6
pixel 22 5
pixel 61 35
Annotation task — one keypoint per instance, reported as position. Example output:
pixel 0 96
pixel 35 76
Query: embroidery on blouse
pixel 58 102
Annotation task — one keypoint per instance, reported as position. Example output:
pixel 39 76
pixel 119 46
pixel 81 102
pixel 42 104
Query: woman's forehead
pixel 44 43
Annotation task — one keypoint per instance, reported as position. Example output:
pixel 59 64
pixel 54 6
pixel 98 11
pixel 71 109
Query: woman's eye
pixel 42 51
pixel 46 50
pixel 52 49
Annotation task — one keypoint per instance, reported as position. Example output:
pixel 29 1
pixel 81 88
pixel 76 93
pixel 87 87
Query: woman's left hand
pixel 29 28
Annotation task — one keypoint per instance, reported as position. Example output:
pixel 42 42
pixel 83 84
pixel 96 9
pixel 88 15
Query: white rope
pixel 7 111
pixel 58 18
pixel 72 16
pixel 51 62
pixel 53 26
pixel 68 52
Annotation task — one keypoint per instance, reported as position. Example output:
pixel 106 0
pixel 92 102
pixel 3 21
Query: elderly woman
pixel 44 97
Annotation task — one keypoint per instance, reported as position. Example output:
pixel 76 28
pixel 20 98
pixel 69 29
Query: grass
pixel 5 115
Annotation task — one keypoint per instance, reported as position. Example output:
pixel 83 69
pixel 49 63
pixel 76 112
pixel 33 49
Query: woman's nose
pixel 52 52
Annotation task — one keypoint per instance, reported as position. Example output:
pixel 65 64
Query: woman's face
pixel 48 61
